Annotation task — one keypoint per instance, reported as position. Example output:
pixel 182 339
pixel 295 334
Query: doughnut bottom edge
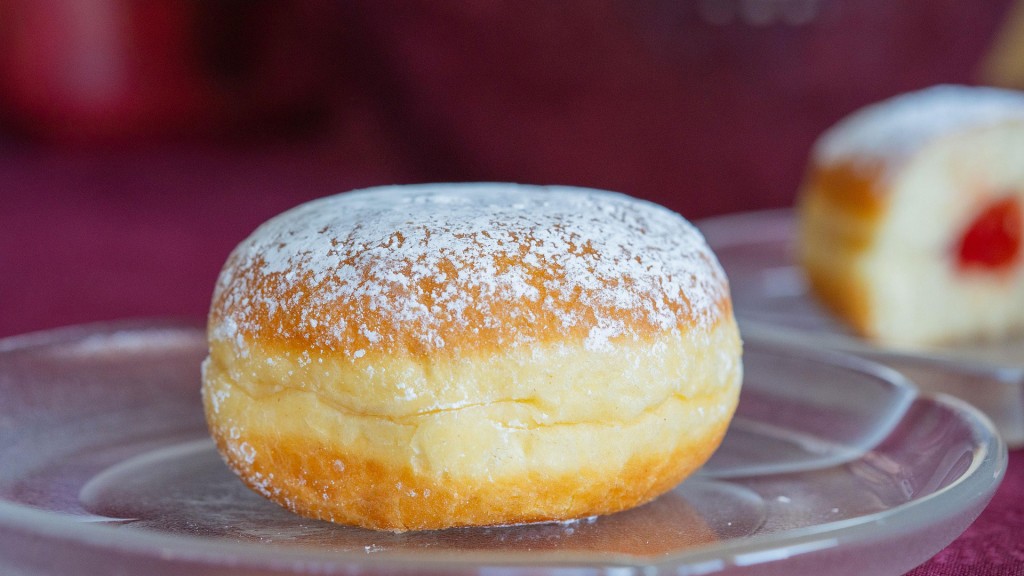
pixel 495 462
pixel 332 485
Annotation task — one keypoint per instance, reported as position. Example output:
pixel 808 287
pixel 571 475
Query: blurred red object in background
pixel 105 71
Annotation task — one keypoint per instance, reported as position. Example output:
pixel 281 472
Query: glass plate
pixel 833 465
pixel 772 303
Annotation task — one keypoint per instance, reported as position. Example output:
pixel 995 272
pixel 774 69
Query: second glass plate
pixel 773 304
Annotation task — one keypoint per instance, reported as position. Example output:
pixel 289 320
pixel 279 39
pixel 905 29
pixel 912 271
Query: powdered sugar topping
pixel 890 130
pixel 430 261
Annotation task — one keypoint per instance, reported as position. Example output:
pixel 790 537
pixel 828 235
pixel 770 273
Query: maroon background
pixel 142 141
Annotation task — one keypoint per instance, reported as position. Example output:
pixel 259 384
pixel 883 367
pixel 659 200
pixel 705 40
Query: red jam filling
pixel 993 239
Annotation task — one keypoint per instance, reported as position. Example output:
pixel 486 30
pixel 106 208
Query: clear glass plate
pixel 833 465
pixel 772 303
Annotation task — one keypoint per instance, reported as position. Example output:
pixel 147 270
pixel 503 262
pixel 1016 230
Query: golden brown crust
pixel 381 496
pixel 311 324
pixel 855 189
pixel 459 269
pixel 840 209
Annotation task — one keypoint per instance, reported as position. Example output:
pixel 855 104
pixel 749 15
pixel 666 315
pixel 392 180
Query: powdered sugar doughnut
pixel 470 354
pixel 911 217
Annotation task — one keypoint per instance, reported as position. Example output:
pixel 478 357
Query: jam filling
pixel 993 239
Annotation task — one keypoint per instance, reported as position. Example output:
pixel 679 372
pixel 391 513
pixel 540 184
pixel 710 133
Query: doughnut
pixel 422 357
pixel 909 220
